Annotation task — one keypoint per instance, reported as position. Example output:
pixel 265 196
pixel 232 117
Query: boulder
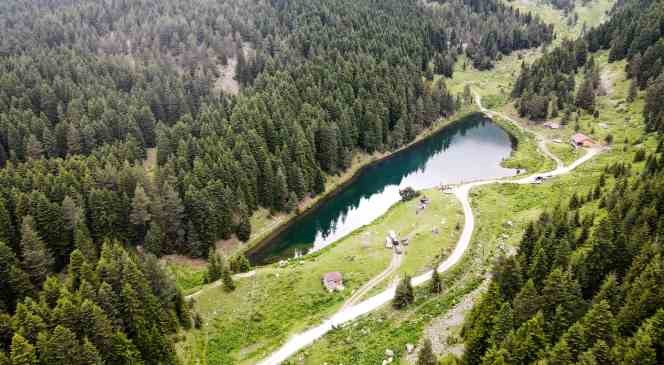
pixel 389 353
pixel 409 348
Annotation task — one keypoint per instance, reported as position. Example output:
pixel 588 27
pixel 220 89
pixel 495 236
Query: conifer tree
pixel 154 239
pixel 70 213
pixel 214 267
pixel 526 343
pixel 227 278
pixel 504 323
pixel 22 352
pixel 436 284
pixel 6 226
pixel 140 214
pixel 560 354
pixel 83 241
pixel 37 260
pixel 526 302
pixel 14 282
pixel 585 97
pixel 426 355
pixel 240 263
pixel 404 294
pixel 89 354
pixel 60 347
pixel 34 148
pixel 243 230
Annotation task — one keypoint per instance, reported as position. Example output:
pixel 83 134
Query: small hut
pixel 581 140
pixel 333 281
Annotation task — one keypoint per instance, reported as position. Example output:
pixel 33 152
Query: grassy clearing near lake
pixel 493 85
pixel 244 325
pixel 526 155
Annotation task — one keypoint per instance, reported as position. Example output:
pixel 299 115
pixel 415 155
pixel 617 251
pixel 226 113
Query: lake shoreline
pixel 260 244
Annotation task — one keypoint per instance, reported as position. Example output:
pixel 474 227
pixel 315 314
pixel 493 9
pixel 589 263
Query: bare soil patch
pixel 444 331
pixel 184 260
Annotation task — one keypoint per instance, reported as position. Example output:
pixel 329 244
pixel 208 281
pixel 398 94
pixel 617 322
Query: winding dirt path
pixel 462 192
pixel 394 265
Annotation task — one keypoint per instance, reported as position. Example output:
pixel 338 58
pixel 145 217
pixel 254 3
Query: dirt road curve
pixel 394 265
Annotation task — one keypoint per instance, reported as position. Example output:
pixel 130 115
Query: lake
pixel 469 149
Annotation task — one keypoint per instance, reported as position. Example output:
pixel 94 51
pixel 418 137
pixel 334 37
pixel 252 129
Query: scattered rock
pixel 409 348
pixel 389 353
pixel 282 263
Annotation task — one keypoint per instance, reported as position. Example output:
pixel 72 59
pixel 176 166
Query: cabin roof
pixel 580 138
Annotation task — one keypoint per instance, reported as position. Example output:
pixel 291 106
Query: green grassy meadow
pixel 244 325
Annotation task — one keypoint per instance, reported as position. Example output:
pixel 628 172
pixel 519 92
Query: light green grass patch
pixel 187 278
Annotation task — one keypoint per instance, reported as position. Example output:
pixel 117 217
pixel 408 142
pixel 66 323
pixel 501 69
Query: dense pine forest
pixel 87 88
pixel 547 87
pixel 585 284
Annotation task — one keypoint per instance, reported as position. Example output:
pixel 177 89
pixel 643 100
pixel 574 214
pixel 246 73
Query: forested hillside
pixel 87 86
pixel 118 309
pixel 547 88
pixel 585 285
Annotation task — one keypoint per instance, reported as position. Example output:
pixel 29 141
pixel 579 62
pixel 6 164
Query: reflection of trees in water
pixel 396 168
pixel 372 180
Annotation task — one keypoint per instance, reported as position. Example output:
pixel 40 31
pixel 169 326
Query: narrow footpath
pixel 361 292
pixel 351 312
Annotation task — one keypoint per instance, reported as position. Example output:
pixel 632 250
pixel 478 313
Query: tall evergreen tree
pixel 426 355
pixel 37 260
pixel 436 284
pixel 22 352
pixel 404 294
pixel 140 214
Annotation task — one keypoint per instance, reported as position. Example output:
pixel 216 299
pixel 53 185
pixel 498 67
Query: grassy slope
pixel 242 326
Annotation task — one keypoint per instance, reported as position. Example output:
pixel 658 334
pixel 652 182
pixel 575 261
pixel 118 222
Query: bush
pixel 408 193
pixel 240 263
